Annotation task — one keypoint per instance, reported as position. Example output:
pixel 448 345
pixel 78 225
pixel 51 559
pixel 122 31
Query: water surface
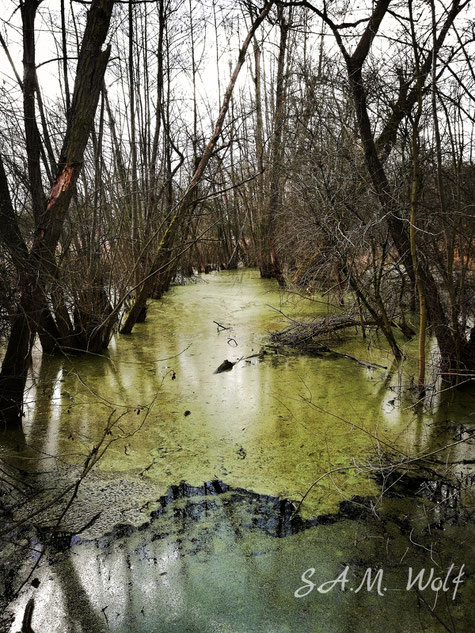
pixel 272 425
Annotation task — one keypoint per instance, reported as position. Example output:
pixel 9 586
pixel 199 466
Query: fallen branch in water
pixel 302 336
pixel 300 333
pixel 221 326
pixel 365 363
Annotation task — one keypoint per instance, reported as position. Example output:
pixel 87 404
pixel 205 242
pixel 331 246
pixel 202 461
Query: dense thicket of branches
pixel 340 160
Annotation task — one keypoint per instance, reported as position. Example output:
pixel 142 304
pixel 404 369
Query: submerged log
pixel 226 365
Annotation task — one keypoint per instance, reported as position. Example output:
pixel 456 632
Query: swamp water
pixel 225 551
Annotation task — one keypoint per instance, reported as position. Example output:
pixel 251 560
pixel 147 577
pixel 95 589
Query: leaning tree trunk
pixel 436 312
pixel 162 258
pixel 429 289
pixel 38 268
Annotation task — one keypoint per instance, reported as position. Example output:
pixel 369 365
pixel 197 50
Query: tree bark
pixel 269 265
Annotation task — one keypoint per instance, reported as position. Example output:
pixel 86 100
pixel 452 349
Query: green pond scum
pixel 234 548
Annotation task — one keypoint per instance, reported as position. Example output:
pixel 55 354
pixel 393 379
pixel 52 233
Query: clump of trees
pixel 340 160
pixel 390 173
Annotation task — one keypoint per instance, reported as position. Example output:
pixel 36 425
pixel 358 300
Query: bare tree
pixel 38 263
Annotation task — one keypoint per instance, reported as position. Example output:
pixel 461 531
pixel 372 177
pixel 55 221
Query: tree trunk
pixel 432 301
pixel 269 265
pixel 39 266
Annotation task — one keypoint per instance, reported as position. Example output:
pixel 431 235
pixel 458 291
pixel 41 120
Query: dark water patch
pixel 446 497
pixel 215 506
pixel 219 558
pixel 185 504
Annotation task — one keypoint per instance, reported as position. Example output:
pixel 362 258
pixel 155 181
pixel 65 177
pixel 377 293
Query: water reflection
pixel 248 425
pixel 214 560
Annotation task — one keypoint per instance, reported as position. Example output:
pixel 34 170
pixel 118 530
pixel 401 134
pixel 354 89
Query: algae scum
pixel 225 551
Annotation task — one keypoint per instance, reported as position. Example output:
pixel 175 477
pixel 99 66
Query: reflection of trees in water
pixel 197 552
pixel 44 505
pixel 150 571
pixel 77 604
pixel 181 532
